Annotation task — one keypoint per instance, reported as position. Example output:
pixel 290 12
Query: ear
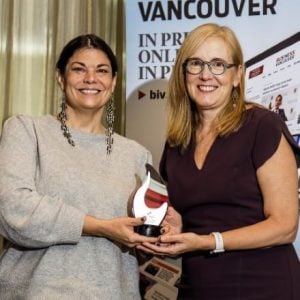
pixel 114 82
pixel 60 80
pixel 238 76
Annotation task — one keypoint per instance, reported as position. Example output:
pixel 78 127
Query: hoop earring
pixel 234 97
pixel 62 117
pixel 110 118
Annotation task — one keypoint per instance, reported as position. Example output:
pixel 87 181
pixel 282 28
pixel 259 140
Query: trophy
pixel 151 201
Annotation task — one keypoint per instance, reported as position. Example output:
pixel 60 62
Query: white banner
pixel 156 29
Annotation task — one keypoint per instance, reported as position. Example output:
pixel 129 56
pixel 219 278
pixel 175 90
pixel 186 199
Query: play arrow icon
pixel 141 95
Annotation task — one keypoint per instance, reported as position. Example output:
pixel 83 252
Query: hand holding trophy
pixel 151 201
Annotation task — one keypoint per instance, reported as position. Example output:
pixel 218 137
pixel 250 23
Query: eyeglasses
pixel 195 66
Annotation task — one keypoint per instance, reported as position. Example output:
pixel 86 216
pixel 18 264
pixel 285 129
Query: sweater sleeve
pixel 27 218
pixel 145 158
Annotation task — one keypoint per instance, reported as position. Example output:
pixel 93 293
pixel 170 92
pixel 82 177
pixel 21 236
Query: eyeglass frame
pixel 208 63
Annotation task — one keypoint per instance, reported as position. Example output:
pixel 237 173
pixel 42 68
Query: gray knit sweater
pixel 46 188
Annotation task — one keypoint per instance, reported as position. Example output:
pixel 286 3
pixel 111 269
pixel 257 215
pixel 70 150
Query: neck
pixel 89 122
pixel 207 124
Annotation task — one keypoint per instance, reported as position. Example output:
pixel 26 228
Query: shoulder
pixel 26 120
pixel 261 116
pixel 130 143
pixel 130 146
pixel 18 119
pixel 18 124
pixel 267 128
pixel 132 153
pixel 22 125
pixel 264 123
pixel 259 111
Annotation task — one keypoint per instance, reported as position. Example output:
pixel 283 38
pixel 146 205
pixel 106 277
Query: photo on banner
pixel 273 80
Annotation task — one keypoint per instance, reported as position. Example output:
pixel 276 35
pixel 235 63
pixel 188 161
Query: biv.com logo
pixel 153 95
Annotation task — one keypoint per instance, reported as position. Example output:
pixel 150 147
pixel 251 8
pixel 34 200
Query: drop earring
pixel 110 118
pixel 234 97
pixel 62 117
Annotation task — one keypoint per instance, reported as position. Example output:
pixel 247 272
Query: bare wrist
pixel 93 226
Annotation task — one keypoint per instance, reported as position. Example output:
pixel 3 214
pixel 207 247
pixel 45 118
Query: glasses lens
pixel 194 66
pixel 217 67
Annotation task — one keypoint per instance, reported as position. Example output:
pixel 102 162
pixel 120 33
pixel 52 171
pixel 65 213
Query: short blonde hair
pixel 182 114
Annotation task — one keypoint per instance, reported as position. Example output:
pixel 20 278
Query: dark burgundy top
pixel 224 195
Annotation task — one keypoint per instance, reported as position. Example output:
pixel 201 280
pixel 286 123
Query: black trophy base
pixel 149 230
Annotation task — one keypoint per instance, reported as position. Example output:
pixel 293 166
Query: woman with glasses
pixel 231 175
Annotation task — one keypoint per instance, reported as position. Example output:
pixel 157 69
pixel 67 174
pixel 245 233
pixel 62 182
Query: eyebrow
pixel 213 59
pixel 84 65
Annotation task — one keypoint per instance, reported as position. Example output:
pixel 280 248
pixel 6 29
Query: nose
pixel 205 73
pixel 90 76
